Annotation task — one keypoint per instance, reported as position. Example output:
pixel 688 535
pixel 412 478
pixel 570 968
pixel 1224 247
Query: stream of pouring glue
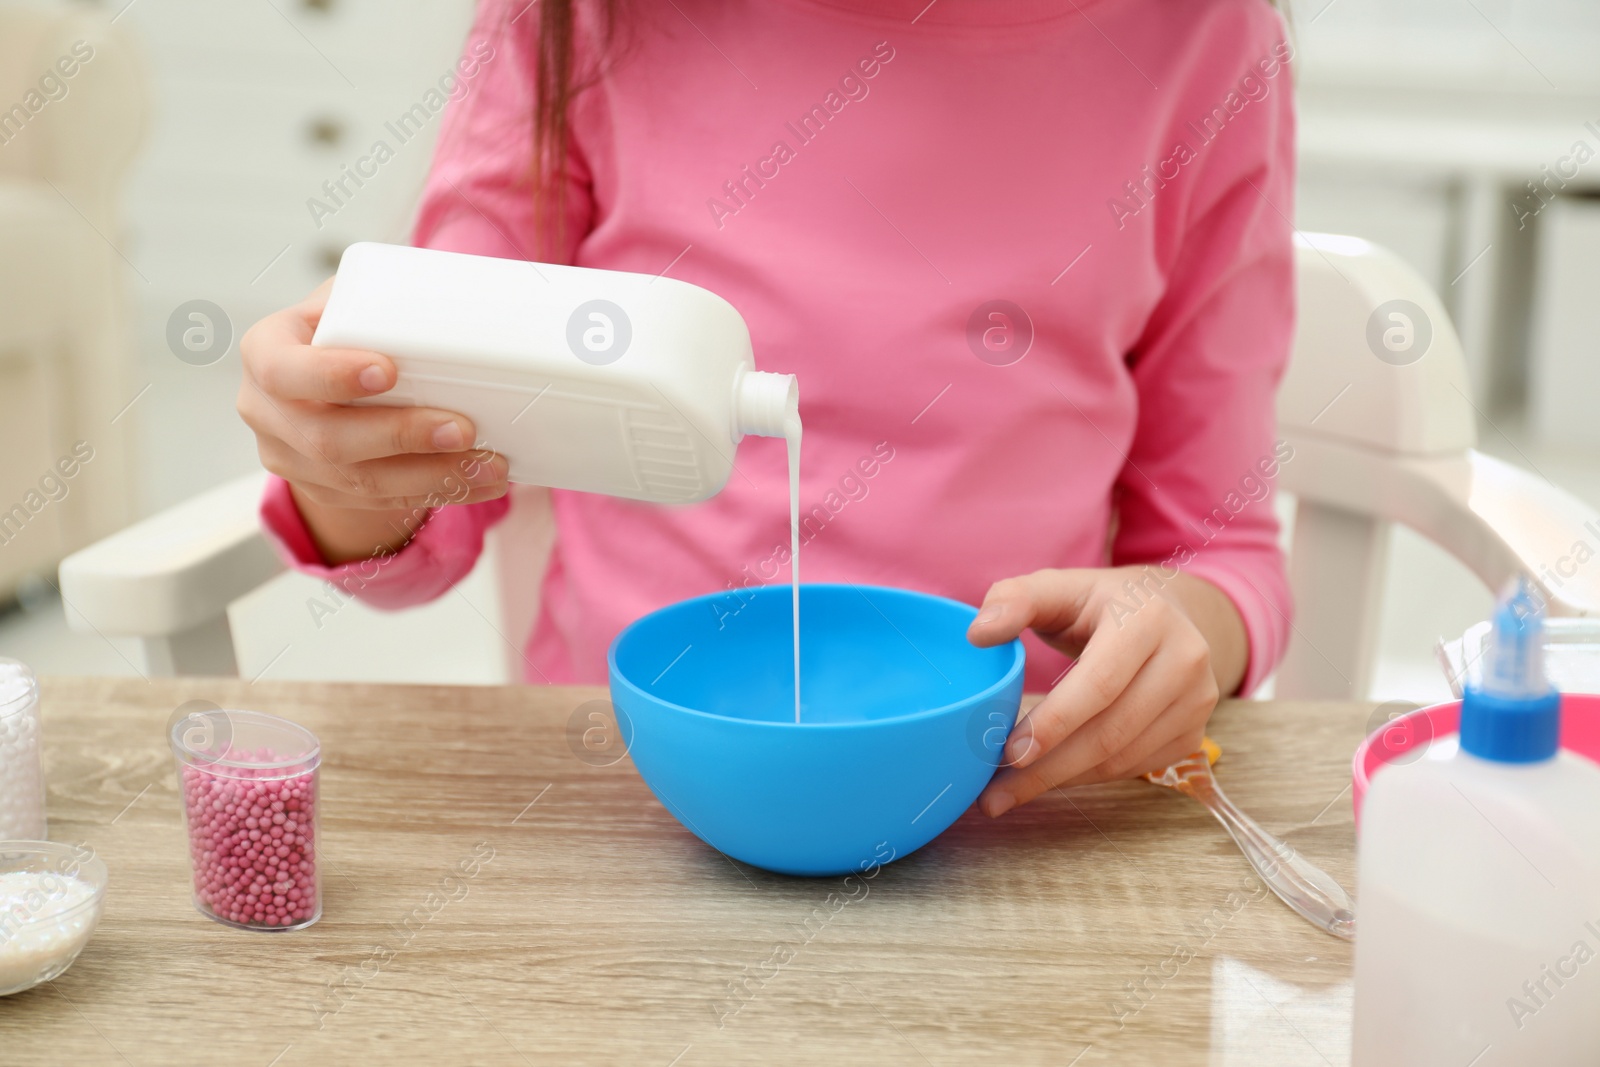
pixel 791 440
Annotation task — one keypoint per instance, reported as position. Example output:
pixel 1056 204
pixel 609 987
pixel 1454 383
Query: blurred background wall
pixel 1448 130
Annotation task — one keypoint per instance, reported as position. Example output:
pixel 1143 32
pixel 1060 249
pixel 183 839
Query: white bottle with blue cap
pixel 1479 882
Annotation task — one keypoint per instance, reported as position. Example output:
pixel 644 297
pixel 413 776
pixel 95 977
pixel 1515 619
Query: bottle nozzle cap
pixel 1513 715
pixel 766 404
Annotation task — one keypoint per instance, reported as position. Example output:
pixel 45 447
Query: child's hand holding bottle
pixel 360 475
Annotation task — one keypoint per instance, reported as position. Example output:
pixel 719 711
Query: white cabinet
pixel 258 104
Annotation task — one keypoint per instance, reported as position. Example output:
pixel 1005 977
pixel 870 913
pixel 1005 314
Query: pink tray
pixel 1580 733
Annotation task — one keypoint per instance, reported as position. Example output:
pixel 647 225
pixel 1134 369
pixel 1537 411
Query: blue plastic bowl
pixel 902 721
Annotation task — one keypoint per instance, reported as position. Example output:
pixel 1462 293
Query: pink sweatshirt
pixel 1030 259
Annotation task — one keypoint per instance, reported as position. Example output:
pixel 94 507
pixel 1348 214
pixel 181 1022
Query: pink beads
pixel 252 841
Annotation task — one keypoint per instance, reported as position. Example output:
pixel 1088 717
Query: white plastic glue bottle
pixel 1479 882
pixel 597 380
pixel 603 381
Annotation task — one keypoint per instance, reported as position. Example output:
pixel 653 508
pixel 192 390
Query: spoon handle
pixel 1301 884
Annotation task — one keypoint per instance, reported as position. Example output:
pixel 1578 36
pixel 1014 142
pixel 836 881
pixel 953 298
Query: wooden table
pixel 1109 925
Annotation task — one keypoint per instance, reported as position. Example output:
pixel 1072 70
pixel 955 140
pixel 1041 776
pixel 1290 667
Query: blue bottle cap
pixel 1511 731
pixel 1513 716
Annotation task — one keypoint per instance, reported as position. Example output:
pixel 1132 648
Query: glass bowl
pixel 50 900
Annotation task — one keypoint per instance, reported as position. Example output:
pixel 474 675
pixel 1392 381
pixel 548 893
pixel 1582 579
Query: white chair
pixel 1391 440
pixel 1375 441
pixel 73 107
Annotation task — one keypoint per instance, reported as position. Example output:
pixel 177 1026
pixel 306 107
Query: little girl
pixel 1031 261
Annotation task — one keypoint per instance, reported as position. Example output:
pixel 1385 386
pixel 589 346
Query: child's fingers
pixel 279 358
pixel 315 303
pixel 1122 724
pixel 1110 662
pixel 343 435
pixel 1175 733
pixel 1148 759
pixel 334 498
pixel 1049 601
pixel 288 371
pixel 379 483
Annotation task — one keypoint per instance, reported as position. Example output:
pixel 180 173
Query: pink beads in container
pixel 249 783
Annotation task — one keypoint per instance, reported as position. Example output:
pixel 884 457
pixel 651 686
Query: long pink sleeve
pixel 1110 177
pixel 443 551
pixel 1196 489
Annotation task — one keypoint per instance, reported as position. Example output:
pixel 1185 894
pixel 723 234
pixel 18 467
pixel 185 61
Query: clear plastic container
pixel 249 785
pixel 50 899
pixel 21 769
pixel 1571 655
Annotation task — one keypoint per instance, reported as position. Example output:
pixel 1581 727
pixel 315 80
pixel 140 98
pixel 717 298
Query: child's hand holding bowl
pixel 1143 685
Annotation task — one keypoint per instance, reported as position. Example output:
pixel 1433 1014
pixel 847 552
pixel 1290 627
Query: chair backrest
pixel 1376 362
pixel 1376 372
pixel 1377 407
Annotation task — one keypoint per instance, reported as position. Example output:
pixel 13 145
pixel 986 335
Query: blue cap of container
pixel 1513 715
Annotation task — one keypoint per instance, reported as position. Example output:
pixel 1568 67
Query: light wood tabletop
pixel 1108 925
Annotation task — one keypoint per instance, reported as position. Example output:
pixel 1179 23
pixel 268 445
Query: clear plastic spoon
pixel 1299 883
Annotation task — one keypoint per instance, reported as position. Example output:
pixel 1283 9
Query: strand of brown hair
pixel 556 83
